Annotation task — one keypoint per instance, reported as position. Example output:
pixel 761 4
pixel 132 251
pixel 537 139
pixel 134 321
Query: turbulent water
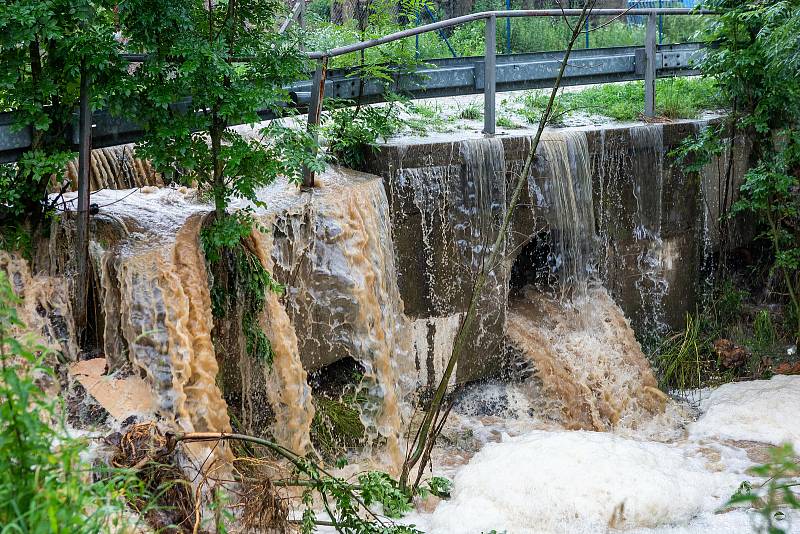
pixel 331 248
pixel 591 367
pixel 581 441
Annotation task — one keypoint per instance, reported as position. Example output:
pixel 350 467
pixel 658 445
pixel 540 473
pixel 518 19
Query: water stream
pixel 578 439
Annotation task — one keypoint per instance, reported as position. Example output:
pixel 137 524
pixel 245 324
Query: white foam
pixel 761 410
pixel 574 481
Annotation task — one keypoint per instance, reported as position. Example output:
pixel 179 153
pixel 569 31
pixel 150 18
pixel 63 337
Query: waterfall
pixel 455 206
pixel 332 249
pixel 112 168
pixel 584 352
pixel 569 196
pixel 345 299
pixel 44 305
pixel 286 381
pixel 647 143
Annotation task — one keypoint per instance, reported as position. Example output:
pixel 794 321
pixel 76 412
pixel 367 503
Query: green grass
pixel 471 112
pixel 424 118
pixel 676 98
pixel 504 121
pixel 533 34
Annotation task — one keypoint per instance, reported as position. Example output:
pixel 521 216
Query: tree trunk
pixel 342 11
pixel 457 8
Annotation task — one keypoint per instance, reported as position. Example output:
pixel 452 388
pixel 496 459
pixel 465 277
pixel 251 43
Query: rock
pixel 787 368
pixel 121 397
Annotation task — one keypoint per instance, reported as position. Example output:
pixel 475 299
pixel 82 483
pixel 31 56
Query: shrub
pixel 45 486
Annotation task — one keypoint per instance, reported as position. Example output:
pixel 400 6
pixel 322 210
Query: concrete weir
pixel 639 223
pixel 379 269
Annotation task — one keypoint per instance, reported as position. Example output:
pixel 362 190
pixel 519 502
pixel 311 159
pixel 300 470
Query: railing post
pixel 508 28
pixel 315 111
pixel 490 76
pixel 82 222
pixel 650 67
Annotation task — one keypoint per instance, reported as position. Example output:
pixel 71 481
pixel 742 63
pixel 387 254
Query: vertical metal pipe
pixel 490 76
pixel 82 223
pixel 315 112
pixel 650 50
pixel 660 26
pixel 416 39
pixel 508 28
pixel 586 30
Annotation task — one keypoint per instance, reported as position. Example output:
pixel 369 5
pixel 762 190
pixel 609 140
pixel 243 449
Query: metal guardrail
pixel 648 58
pixel 439 78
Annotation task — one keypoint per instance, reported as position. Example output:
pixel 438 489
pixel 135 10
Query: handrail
pixel 448 23
pixel 490 56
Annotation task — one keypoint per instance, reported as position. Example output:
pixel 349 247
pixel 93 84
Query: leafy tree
pixel 757 71
pixel 212 65
pixel 42 47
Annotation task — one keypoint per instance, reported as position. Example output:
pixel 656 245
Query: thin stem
pixel 424 433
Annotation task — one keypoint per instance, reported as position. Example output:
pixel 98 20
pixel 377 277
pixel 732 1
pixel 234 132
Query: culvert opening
pixel 532 266
pixel 337 424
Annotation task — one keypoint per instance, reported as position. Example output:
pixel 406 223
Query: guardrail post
pixel 490 76
pixel 508 28
pixel 82 222
pixel 315 112
pixel 650 67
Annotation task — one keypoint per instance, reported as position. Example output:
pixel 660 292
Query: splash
pixel 592 369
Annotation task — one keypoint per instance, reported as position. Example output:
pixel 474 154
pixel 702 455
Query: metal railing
pixel 437 78
pixel 490 56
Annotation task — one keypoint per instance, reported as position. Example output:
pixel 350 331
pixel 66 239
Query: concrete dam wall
pixel 378 268
pixel 608 200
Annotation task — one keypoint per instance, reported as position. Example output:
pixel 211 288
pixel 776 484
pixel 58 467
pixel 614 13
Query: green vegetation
pixel 337 425
pixel 527 34
pixel 731 337
pixel 45 486
pixel 241 281
pixel 42 48
pixel 192 54
pixel 757 72
pixel 472 111
pixel 353 132
pixel 676 98
pixel 782 474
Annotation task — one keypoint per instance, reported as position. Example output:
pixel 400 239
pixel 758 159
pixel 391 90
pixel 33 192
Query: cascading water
pixel 568 192
pixel 584 352
pixel 112 168
pixel 333 250
pixel 335 255
pixel 648 146
pixel 459 202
